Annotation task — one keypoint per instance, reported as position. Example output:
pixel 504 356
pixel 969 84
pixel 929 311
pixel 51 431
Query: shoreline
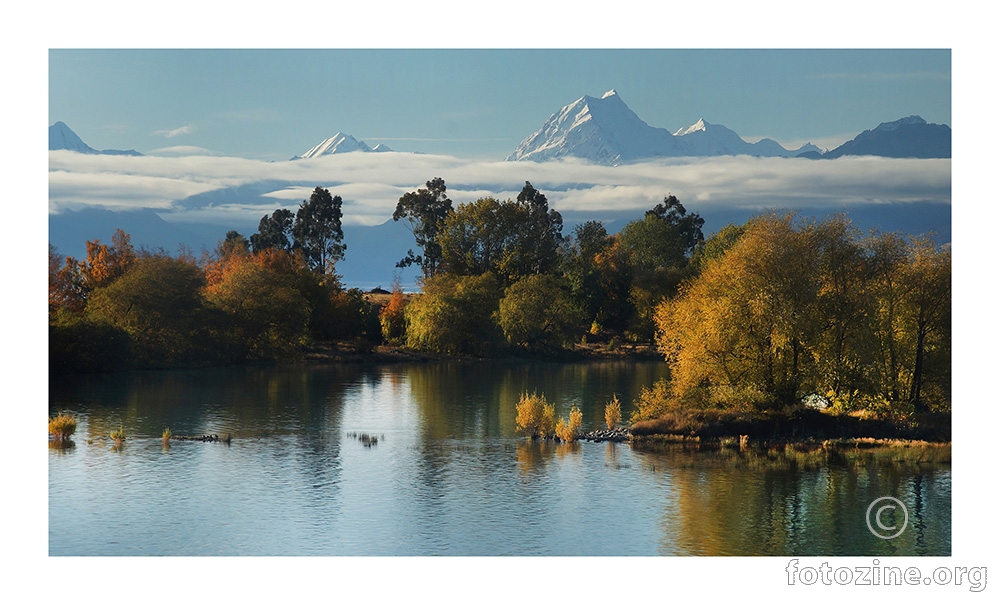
pixel 351 352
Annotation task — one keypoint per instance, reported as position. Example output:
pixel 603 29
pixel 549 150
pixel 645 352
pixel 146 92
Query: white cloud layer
pixel 370 184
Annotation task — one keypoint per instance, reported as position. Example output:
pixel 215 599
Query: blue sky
pixel 272 104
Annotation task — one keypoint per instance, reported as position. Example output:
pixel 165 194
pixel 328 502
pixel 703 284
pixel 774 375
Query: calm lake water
pixel 448 475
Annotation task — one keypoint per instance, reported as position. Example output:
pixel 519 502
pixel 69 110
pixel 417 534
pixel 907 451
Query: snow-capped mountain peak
pixel 605 131
pixel 700 125
pixel 340 143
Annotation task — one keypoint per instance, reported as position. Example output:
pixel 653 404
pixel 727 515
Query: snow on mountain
pixel 705 139
pixel 62 136
pixel 606 131
pixel 340 143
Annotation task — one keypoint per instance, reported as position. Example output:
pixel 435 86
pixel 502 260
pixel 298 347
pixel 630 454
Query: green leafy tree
pixel 157 302
pixel 580 266
pixel 659 246
pixel 425 210
pixel 317 230
pixel 267 314
pixel 454 314
pixel 508 238
pixel 536 313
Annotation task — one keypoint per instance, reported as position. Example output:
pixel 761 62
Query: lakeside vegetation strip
pixel 775 314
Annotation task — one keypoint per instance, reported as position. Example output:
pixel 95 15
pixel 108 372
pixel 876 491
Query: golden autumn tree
pixel 65 283
pixel 391 317
pixel 910 322
pixel 106 263
pixel 743 332
pixel 792 310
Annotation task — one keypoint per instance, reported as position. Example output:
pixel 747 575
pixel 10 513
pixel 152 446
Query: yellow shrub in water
pixel 118 436
pixel 547 427
pixel 562 430
pixel 571 430
pixel 62 426
pixel 613 412
pixel 535 416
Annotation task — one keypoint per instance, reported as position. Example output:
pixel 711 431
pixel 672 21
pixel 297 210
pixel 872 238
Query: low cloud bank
pixel 370 184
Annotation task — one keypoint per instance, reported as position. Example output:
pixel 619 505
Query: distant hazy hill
pixel 910 137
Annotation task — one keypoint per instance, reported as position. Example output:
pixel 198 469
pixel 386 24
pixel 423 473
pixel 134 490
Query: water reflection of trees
pixel 727 503
pixel 478 398
pixel 246 402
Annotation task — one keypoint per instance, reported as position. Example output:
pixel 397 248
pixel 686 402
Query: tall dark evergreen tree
pixel 688 225
pixel 273 231
pixel 317 230
pixel 543 230
pixel 426 210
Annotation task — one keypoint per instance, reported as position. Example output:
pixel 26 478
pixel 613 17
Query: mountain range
pixel 605 131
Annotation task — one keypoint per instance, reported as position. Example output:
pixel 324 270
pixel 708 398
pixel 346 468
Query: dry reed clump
pixel 535 416
pixel 613 412
pixel 62 426
pixel 167 434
